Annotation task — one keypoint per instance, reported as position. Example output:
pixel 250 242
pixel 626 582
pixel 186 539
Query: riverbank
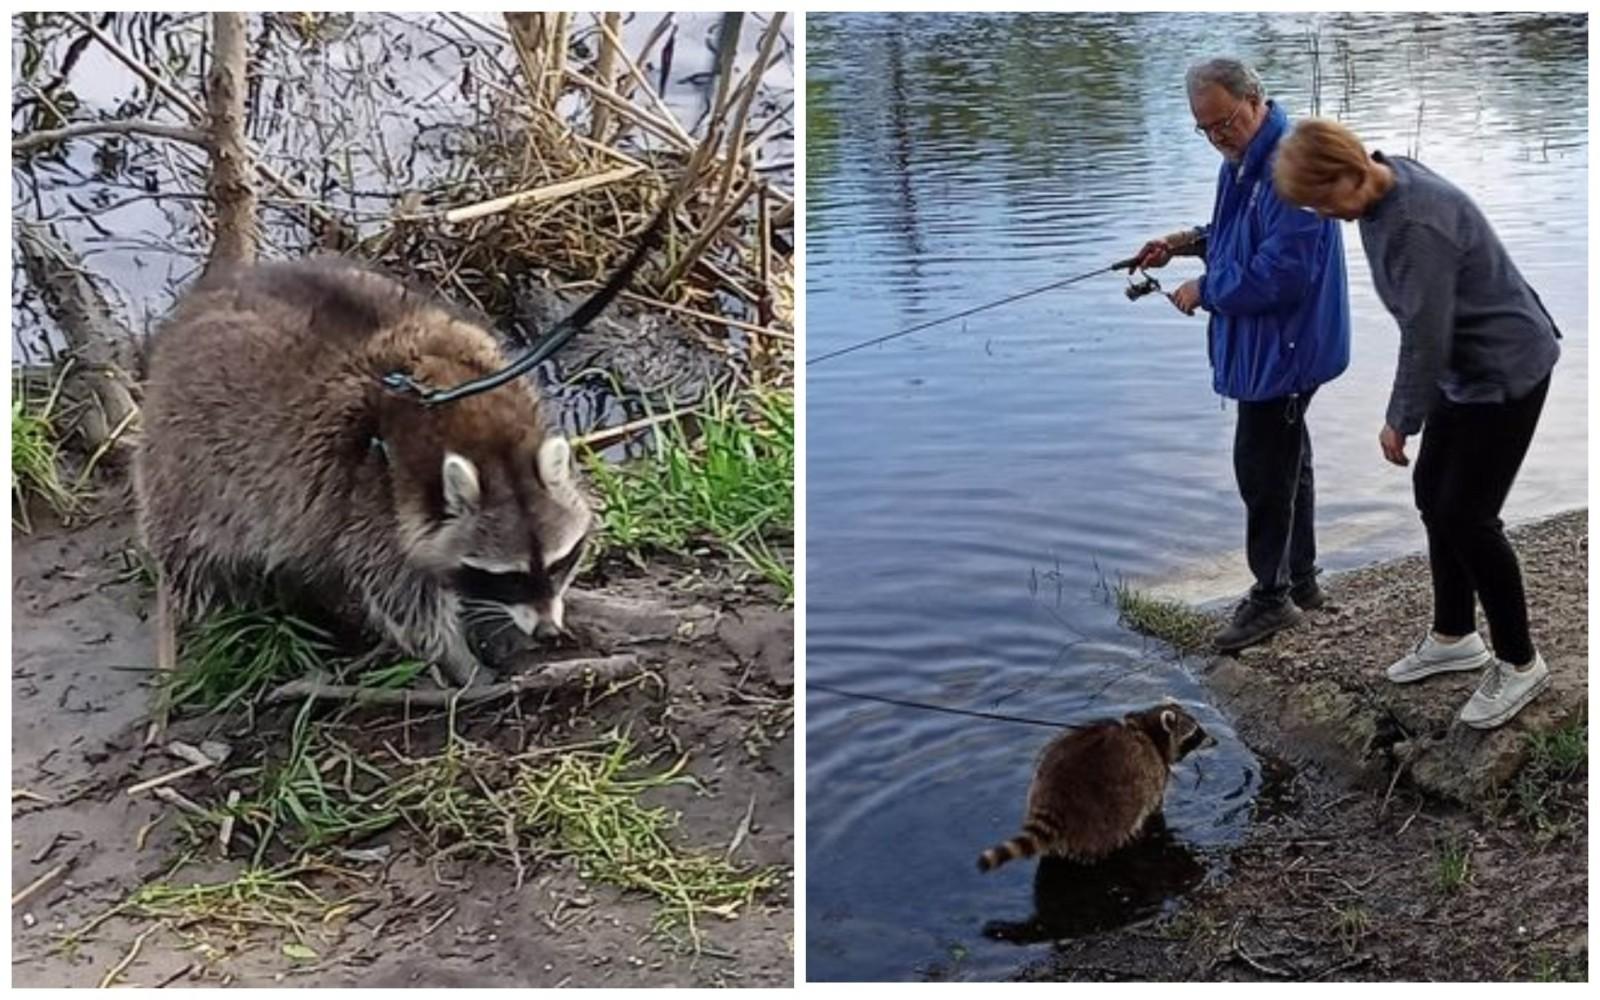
pixel 142 893
pixel 1391 843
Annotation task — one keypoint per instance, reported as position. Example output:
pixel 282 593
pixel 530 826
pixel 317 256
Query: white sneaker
pixel 1434 657
pixel 1504 692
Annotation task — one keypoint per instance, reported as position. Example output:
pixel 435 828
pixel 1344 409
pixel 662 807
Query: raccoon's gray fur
pixel 1096 785
pixel 271 450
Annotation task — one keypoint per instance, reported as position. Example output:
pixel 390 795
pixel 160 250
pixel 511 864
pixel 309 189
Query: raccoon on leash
pixel 272 448
pixel 1097 785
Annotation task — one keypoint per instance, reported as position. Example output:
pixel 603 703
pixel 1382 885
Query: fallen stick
pixel 168 778
pixel 225 834
pixel 102 345
pixel 127 960
pixel 33 888
pixel 548 192
pixel 182 801
pixel 551 676
pixel 607 435
pixel 737 324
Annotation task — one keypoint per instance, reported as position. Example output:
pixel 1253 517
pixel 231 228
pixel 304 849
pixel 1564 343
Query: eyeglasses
pixel 1217 129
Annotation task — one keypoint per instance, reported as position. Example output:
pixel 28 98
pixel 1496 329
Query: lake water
pixel 360 109
pixel 971 488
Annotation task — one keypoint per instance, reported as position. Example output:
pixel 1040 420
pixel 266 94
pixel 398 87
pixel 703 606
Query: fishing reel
pixel 1137 290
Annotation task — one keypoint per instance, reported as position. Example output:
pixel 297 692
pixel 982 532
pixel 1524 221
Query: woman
pixel 1476 351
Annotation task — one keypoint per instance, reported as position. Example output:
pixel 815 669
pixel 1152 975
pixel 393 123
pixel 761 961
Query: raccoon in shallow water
pixel 272 450
pixel 1096 785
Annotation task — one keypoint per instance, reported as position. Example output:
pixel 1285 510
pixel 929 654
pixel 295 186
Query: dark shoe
pixel 1308 596
pixel 1253 622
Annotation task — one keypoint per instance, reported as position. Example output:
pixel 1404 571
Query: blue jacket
pixel 1274 282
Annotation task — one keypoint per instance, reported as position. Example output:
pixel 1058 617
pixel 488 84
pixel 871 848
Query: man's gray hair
pixel 1237 78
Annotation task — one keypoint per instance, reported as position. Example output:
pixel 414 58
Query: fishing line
pixel 972 713
pixel 1118 266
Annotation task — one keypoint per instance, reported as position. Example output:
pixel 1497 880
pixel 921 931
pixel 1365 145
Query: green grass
pixel 36 457
pixel 1350 925
pixel 321 793
pixel 1451 866
pixel 586 803
pixel 1562 752
pixel 730 484
pixel 1551 967
pixel 1549 793
pixel 1173 622
pixel 235 655
pixel 581 802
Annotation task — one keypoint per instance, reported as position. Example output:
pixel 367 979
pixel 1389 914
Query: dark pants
pixel 1272 463
pixel 1469 457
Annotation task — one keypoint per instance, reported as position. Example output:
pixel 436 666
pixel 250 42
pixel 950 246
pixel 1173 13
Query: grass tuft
pixel 1549 793
pixel 1350 925
pixel 36 458
pixel 1173 622
pixel 1451 867
pixel 730 484
pixel 235 655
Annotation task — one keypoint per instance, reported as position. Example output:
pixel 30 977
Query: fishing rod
pixel 971 713
pixel 1134 291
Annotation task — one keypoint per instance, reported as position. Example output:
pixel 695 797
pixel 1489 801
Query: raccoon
pixel 1096 785
pixel 271 449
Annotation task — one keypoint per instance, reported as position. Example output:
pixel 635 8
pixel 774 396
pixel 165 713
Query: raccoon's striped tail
pixel 1023 845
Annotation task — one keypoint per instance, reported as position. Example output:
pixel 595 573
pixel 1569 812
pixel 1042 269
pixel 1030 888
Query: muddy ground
pixel 81 651
pixel 1371 791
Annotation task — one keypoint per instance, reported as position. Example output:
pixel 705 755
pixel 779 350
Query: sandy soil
pixel 80 656
pixel 1368 787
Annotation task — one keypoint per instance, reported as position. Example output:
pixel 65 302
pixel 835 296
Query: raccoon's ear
pixel 461 491
pixel 1167 715
pixel 555 462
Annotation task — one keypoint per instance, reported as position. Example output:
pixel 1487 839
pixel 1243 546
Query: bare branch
pixel 34 140
pixel 551 677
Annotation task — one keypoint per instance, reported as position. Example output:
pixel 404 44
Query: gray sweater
pixel 1470 326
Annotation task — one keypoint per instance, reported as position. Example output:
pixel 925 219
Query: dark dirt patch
pixel 80 656
pixel 1353 873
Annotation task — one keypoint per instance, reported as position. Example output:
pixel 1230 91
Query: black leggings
pixel 1468 460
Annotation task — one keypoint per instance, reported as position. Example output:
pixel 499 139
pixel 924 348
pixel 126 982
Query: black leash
pixel 1121 265
pixel 814 686
pixel 403 382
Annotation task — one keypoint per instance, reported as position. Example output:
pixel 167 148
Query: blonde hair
pixel 1315 158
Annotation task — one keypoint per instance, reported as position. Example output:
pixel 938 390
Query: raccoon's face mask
pixel 519 541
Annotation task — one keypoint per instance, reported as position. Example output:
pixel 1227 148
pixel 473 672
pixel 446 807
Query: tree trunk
pixel 232 183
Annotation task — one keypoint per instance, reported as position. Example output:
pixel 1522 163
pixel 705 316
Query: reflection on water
pixel 1072 899
pixel 1073 438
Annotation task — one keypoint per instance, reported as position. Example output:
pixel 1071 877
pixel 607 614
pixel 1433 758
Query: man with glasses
pixel 1279 326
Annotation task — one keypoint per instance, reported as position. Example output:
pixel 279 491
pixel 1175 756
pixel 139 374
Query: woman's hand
pixel 1393 444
